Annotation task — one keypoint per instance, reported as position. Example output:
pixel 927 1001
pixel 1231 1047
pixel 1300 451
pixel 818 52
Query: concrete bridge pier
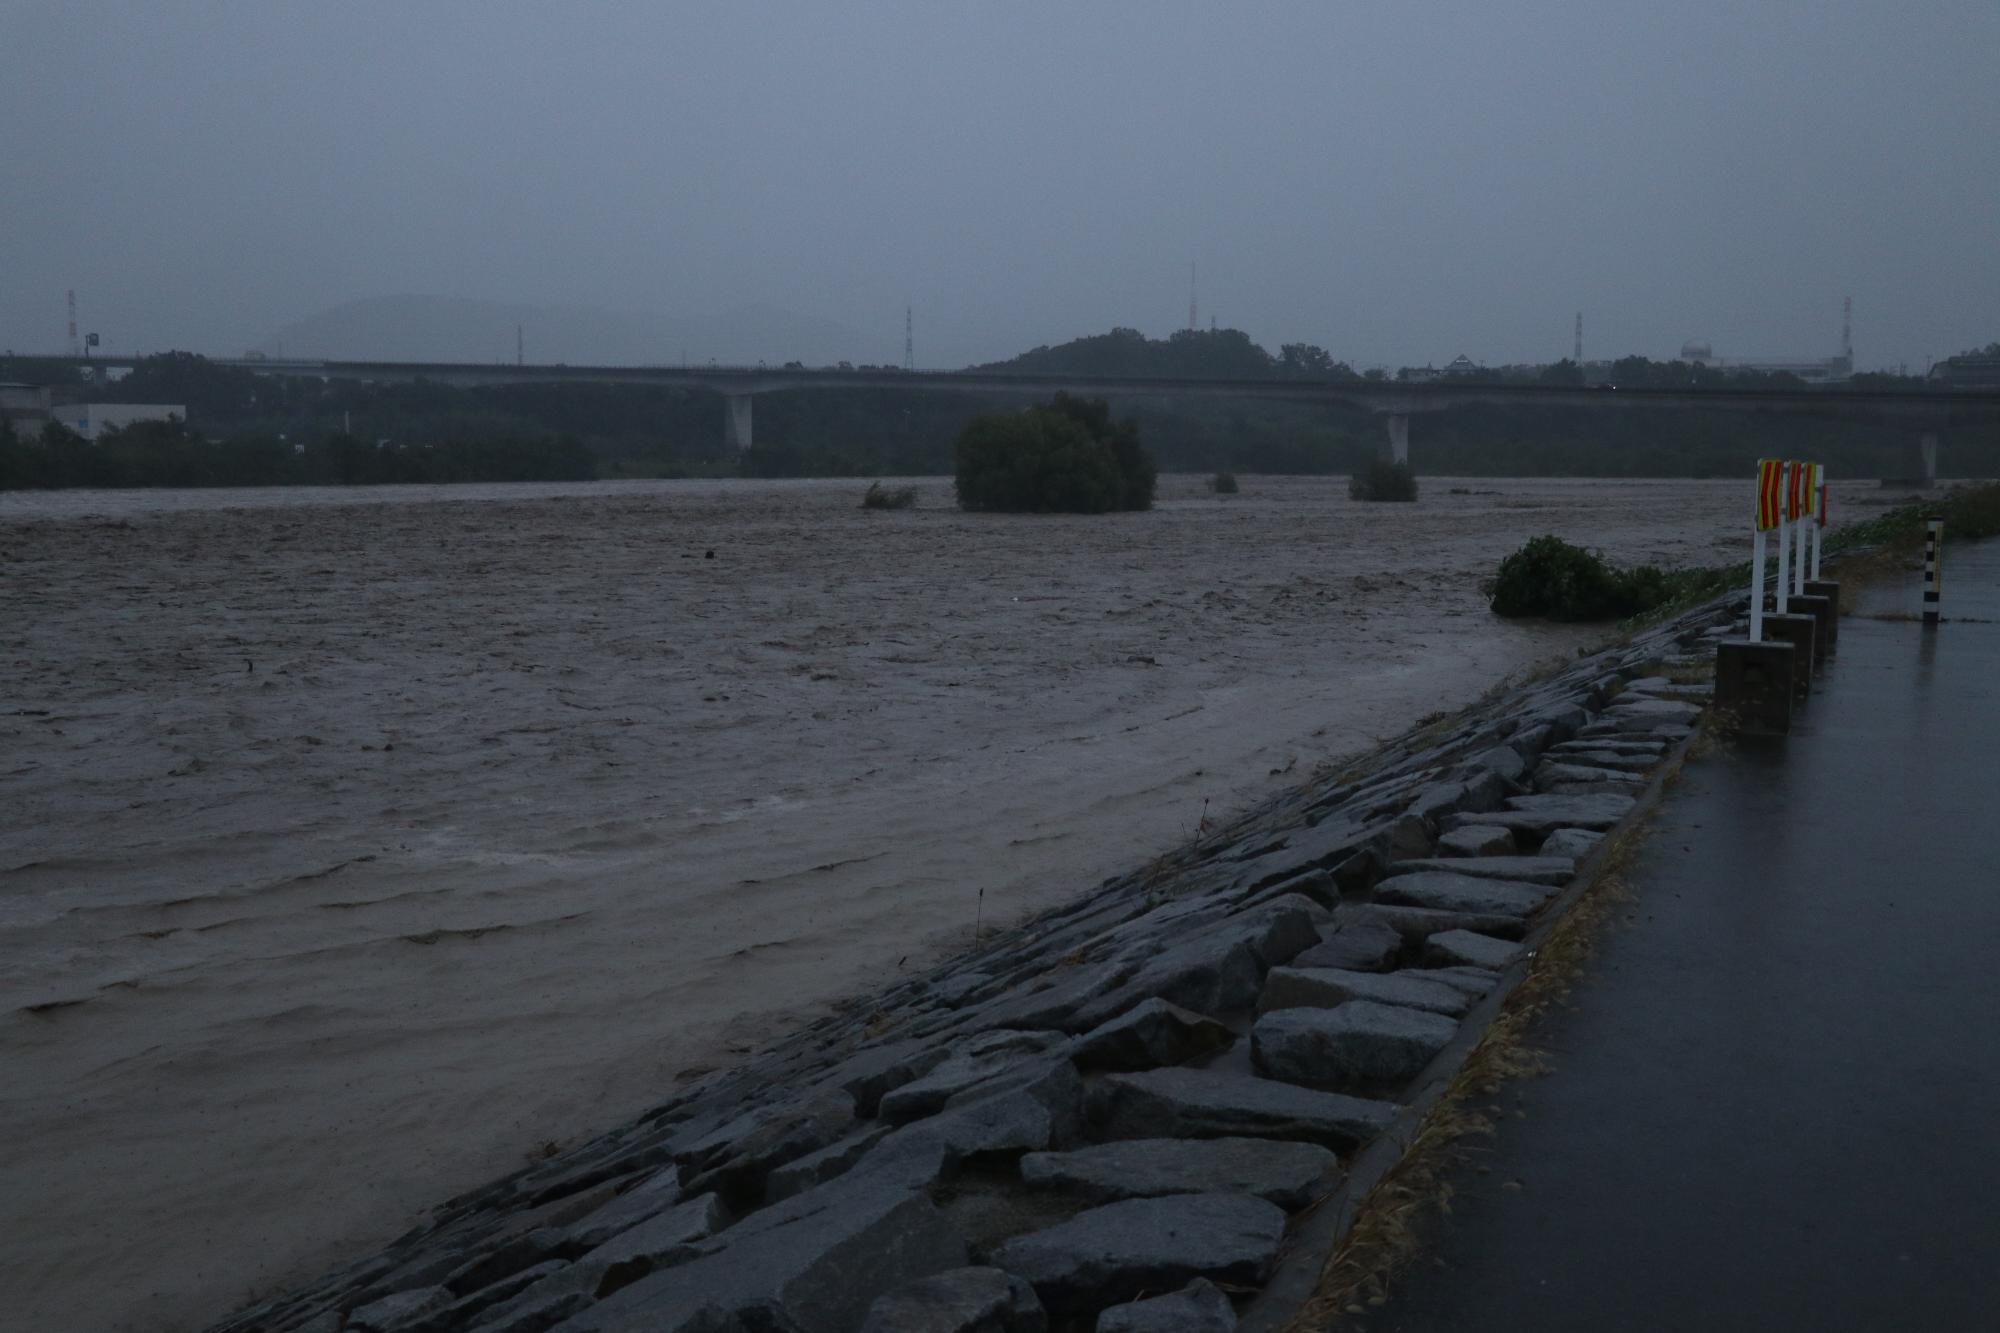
pixel 739 421
pixel 1923 459
pixel 1398 448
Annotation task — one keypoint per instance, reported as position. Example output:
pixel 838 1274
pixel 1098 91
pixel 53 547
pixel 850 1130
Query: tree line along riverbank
pixel 255 430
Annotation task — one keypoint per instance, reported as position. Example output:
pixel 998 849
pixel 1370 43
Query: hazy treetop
pixel 1394 182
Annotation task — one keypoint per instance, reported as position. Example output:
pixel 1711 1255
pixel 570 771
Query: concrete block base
pixel 1798 632
pixel 1753 684
pixel 1822 611
pixel 1829 589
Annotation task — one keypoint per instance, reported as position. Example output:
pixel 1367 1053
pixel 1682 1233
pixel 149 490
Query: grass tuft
pixel 880 497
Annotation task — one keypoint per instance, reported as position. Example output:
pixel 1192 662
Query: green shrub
pixel 1549 577
pixel 903 497
pixel 1223 483
pixel 1383 480
pixel 1064 456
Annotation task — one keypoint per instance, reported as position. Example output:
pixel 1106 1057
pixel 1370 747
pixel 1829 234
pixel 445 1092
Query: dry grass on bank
pixel 1388 1231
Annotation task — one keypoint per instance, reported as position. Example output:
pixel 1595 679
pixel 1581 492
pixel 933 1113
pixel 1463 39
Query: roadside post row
pixel 1787 493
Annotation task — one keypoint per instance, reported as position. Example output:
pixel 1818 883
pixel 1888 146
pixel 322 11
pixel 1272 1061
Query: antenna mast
pixel 909 342
pixel 1579 340
pixel 1193 322
pixel 1847 332
pixel 74 350
pixel 519 358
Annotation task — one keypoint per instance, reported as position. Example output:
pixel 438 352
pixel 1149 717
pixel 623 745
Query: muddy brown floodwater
pixel 358 843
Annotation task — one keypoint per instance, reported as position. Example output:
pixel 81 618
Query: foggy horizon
pixel 1396 186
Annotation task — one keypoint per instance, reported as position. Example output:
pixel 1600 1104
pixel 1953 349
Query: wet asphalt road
pixel 1776 1102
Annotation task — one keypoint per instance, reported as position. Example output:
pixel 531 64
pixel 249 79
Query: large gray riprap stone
pixel 980 1059
pixel 1200 1103
pixel 869 1074
pixel 1571 842
pixel 661 1241
pixel 1503 761
pixel 1155 1033
pixel 1417 924
pixel 402 1308
pixel 1325 987
pixel 1447 892
pixel 1646 714
pixel 963 1300
pixel 1044 1113
pixel 1283 1172
pixel 1359 946
pixel 1218 970
pixel 1481 790
pixel 1554 871
pixel 1122 1250
pixel 660 1236
pixel 1051 1000
pixel 1552 774
pixel 1616 760
pixel 1587 788
pixel 1456 948
pixel 816 1168
pixel 1357 1044
pixel 1482 840
pixel 1334 841
pixel 1474 982
pixel 960 988
pixel 653 1195
pixel 463 1312
pixel 815 1261
pixel 1626 747
pixel 1199 1307
pixel 735 1160
pixel 1529 742
pixel 1538 816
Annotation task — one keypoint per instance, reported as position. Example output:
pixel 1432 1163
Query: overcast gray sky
pixel 1397 182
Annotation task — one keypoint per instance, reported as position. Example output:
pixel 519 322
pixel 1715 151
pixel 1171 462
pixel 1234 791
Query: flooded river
pixel 359 842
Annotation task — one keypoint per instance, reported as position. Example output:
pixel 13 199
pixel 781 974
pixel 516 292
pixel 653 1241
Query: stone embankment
pixel 1106 1118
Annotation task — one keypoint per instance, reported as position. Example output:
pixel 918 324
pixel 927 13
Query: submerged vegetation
pixel 1064 456
pixel 1383 480
pixel 879 496
pixel 1553 578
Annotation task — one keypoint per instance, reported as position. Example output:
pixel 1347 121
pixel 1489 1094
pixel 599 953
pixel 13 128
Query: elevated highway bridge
pixel 1924 414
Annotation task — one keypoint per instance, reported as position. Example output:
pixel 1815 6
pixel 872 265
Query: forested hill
pixel 1219 354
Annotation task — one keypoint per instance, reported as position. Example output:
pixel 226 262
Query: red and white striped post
pixel 1769 512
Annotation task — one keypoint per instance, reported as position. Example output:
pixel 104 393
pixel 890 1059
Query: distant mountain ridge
pixel 452 328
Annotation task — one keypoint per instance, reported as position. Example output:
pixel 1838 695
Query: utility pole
pixel 1193 322
pixel 74 350
pixel 909 342
pixel 519 358
pixel 1579 340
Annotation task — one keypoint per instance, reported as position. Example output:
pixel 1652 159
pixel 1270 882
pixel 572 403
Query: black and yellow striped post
pixel 1933 540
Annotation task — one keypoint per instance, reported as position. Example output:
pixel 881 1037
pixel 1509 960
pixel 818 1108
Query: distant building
pixel 91 420
pixel 1811 369
pixel 1977 370
pixel 1461 365
pixel 25 407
